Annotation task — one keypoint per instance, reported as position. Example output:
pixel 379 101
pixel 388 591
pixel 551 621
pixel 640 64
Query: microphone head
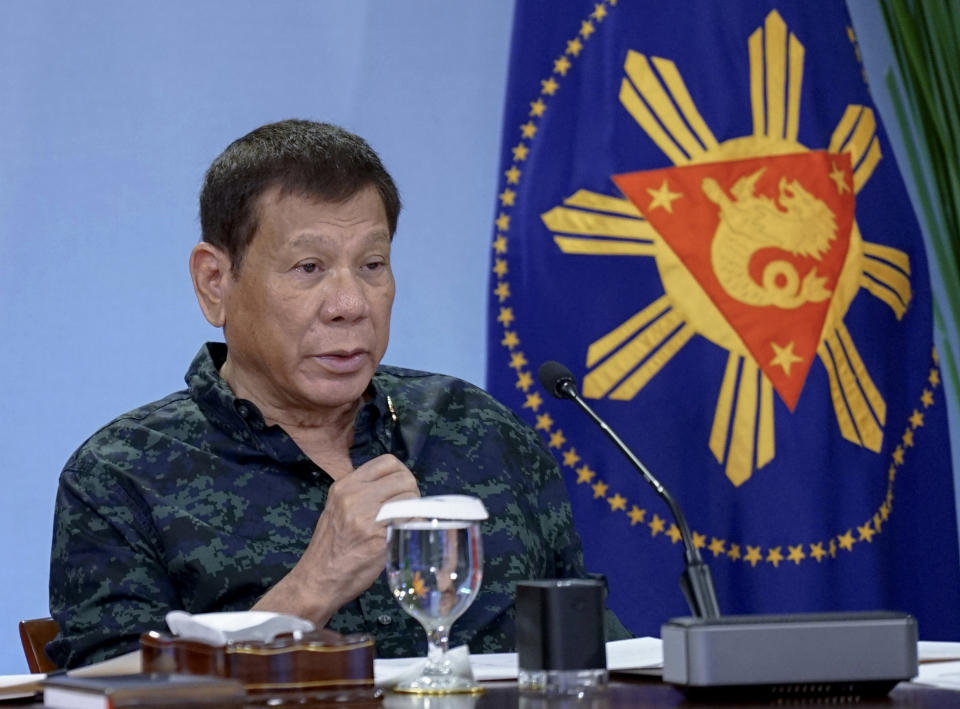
pixel 557 380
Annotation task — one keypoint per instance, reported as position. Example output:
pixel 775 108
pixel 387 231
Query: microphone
pixel 695 581
pixel 786 656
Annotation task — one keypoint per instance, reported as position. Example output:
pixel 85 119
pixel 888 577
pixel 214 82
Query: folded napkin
pixel 458 507
pixel 240 626
pixel 389 673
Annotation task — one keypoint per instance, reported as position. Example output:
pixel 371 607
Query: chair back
pixel 35 634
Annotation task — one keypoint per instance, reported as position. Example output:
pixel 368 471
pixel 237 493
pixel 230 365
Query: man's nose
pixel 346 299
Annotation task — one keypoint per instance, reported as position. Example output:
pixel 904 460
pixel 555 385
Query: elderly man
pixel 257 486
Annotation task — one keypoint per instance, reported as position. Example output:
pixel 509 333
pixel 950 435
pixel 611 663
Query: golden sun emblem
pixel 621 362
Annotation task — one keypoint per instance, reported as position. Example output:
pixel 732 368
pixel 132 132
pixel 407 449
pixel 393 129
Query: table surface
pixel 623 692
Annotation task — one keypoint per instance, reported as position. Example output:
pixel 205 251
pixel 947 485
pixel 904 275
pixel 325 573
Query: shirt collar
pixel 242 420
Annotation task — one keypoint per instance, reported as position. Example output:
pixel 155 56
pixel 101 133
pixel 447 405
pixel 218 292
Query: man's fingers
pixel 380 467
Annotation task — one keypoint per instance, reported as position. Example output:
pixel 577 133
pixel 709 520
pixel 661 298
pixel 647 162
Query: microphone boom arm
pixel 695 581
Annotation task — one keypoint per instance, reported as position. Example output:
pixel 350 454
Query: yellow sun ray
pixel 858 405
pixel 751 433
pixel 578 221
pixel 643 374
pixel 602 203
pixel 655 335
pixel 776 78
pixel 656 111
pixel 887 283
pixel 621 231
pixel 889 254
pixel 604 247
pixel 616 337
pixel 721 414
pixel 856 134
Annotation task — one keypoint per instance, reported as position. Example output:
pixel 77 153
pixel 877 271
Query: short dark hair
pixel 300 157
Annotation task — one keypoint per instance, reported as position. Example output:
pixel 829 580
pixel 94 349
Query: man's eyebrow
pixel 313 237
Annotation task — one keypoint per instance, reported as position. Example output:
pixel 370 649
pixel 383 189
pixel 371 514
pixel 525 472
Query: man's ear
pixel 211 272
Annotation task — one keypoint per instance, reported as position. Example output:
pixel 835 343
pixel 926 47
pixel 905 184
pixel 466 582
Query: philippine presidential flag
pixel 700 214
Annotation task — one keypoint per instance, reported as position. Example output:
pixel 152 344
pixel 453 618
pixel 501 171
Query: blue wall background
pixel 110 111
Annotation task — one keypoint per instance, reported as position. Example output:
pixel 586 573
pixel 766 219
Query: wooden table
pixel 624 693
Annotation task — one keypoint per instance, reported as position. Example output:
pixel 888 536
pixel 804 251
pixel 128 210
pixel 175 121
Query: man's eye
pixel 375 265
pixel 307 268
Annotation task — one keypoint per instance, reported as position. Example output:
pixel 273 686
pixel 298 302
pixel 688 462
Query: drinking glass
pixel 434 568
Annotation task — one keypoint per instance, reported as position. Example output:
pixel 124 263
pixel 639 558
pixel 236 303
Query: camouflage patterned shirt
pixel 193 502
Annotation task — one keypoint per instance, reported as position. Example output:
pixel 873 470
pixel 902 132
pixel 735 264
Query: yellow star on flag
pixel 846 541
pixel 636 515
pixel 544 422
pixel 617 502
pixel 839 179
pixel 916 421
pixel 898 455
pixel 534 401
pixel 524 381
pixel 784 357
pixel 585 474
pixel 774 556
pixel 663 197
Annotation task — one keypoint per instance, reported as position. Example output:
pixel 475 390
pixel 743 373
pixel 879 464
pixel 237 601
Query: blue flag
pixel 700 214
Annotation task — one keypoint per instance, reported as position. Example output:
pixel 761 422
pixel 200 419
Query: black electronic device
pixel 748 656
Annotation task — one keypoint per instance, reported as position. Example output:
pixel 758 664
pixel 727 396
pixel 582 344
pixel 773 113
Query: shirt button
pixel 243 411
pixel 315 474
pixel 385 619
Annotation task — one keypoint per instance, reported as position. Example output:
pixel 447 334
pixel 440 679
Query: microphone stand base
pixel 795 656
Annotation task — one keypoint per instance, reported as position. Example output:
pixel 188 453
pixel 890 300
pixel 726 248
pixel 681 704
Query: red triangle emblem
pixel 766 239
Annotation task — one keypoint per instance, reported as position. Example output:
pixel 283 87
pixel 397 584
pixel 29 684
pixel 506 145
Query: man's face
pixel 307 318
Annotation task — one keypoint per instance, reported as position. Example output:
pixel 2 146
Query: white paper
pixel 945 675
pixel 929 651
pixel 20 686
pixel 635 653
pixel 456 507
pixel 240 626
